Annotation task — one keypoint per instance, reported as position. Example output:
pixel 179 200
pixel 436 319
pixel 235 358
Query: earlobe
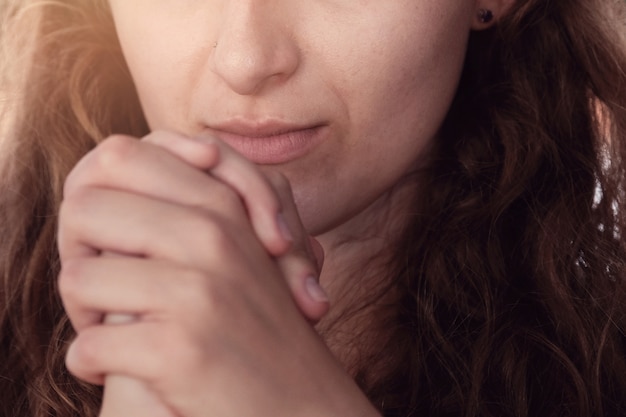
pixel 484 16
pixel 488 12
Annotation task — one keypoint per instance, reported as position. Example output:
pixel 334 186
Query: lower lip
pixel 277 149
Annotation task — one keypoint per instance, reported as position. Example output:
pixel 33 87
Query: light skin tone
pixel 184 237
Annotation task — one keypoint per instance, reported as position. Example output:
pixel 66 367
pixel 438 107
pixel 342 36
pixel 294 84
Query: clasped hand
pixel 206 257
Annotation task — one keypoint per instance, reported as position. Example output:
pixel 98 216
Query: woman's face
pixel 341 96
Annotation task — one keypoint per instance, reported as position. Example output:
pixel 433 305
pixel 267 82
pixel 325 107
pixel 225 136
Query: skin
pixel 180 236
pixel 264 64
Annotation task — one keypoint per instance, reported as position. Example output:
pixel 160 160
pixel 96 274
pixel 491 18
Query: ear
pixel 488 12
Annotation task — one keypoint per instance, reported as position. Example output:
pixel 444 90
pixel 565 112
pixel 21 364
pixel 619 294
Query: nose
pixel 254 47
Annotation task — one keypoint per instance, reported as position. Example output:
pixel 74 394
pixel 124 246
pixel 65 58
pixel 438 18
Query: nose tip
pixel 252 52
pixel 248 67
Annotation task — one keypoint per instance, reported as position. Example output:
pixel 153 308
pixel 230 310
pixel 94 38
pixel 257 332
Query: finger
pixel 301 266
pixel 318 252
pixel 120 289
pixel 114 318
pixel 260 199
pixel 112 349
pixel 130 224
pixel 182 184
pixel 309 296
pixel 125 396
pixel 127 164
pixel 143 167
pixel 302 242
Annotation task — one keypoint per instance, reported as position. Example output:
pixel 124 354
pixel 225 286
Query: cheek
pixel 402 95
pixel 402 64
pixel 165 62
pixel 163 91
pixel 397 88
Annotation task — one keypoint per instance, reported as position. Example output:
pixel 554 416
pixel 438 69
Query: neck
pixel 357 269
pixel 369 236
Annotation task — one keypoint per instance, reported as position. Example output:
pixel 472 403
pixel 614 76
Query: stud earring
pixel 485 15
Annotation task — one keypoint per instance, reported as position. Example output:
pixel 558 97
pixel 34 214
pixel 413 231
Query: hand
pixel 123 391
pixel 123 394
pixel 138 167
pixel 201 290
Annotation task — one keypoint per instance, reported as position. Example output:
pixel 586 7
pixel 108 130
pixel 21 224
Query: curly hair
pixel 509 283
pixel 76 90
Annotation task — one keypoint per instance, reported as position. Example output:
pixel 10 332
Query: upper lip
pixel 260 129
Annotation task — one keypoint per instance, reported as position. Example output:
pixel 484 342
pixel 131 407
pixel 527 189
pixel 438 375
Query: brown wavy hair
pixel 511 279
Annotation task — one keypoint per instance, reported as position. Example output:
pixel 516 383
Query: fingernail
pixel 284 229
pixel 315 291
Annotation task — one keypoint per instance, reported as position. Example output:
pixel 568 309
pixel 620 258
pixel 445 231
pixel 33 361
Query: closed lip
pixel 270 142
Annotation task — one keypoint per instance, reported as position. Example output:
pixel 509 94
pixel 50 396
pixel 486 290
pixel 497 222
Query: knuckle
pixel 84 354
pixel 202 298
pixel 69 280
pixel 104 159
pixel 205 155
pixel 181 354
pixel 196 238
pixel 212 301
pixel 196 292
pixel 76 204
pixel 113 151
pixel 210 233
